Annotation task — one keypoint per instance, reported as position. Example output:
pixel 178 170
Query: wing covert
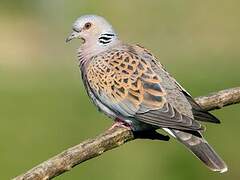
pixel 126 83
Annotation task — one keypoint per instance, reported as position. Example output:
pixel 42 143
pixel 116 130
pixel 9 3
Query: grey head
pixel 93 30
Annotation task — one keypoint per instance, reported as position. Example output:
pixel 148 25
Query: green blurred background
pixel 44 108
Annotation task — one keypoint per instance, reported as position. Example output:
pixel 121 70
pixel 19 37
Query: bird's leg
pixel 120 123
pixel 150 134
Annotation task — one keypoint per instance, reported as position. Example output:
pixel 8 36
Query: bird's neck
pixel 95 46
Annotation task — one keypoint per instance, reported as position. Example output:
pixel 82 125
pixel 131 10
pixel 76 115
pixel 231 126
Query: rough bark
pixel 113 138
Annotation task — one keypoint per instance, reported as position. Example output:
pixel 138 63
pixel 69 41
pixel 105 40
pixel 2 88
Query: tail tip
pixel 225 169
pixel 221 170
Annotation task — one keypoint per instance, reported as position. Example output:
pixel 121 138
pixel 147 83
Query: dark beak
pixel 73 35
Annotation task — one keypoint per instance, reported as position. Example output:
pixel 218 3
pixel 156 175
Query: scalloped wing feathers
pixel 130 82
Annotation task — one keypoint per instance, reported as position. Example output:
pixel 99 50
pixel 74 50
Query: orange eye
pixel 87 25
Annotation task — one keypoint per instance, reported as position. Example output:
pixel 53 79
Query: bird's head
pixel 93 29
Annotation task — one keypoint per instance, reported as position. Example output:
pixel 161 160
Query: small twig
pixel 113 138
pixel 219 99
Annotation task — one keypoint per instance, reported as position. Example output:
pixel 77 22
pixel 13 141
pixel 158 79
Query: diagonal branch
pixel 113 138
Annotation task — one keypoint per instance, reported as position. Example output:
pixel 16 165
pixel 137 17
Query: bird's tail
pixel 200 147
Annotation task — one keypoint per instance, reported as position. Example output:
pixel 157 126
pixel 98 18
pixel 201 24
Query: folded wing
pixel 127 84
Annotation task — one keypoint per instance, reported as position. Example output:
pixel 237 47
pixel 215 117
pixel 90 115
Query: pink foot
pixel 119 123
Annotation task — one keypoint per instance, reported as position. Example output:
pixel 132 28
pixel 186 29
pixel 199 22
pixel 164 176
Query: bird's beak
pixel 73 35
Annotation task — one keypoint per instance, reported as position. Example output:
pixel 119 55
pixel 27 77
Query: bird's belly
pixel 101 107
pixel 134 124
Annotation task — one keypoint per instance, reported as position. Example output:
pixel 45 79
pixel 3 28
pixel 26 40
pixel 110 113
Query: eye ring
pixel 87 25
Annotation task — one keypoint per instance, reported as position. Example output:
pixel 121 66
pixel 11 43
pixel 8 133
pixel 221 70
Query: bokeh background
pixel 44 108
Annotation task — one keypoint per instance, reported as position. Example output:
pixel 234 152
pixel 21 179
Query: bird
pixel 129 84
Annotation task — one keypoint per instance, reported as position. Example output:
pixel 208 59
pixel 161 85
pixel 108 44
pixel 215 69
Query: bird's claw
pixel 119 123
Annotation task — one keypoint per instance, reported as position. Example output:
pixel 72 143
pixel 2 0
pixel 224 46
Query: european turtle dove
pixel 129 84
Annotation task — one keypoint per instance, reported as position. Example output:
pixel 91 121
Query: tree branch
pixel 113 138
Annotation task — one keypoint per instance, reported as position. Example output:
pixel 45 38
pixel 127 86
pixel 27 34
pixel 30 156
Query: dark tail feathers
pixel 200 147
